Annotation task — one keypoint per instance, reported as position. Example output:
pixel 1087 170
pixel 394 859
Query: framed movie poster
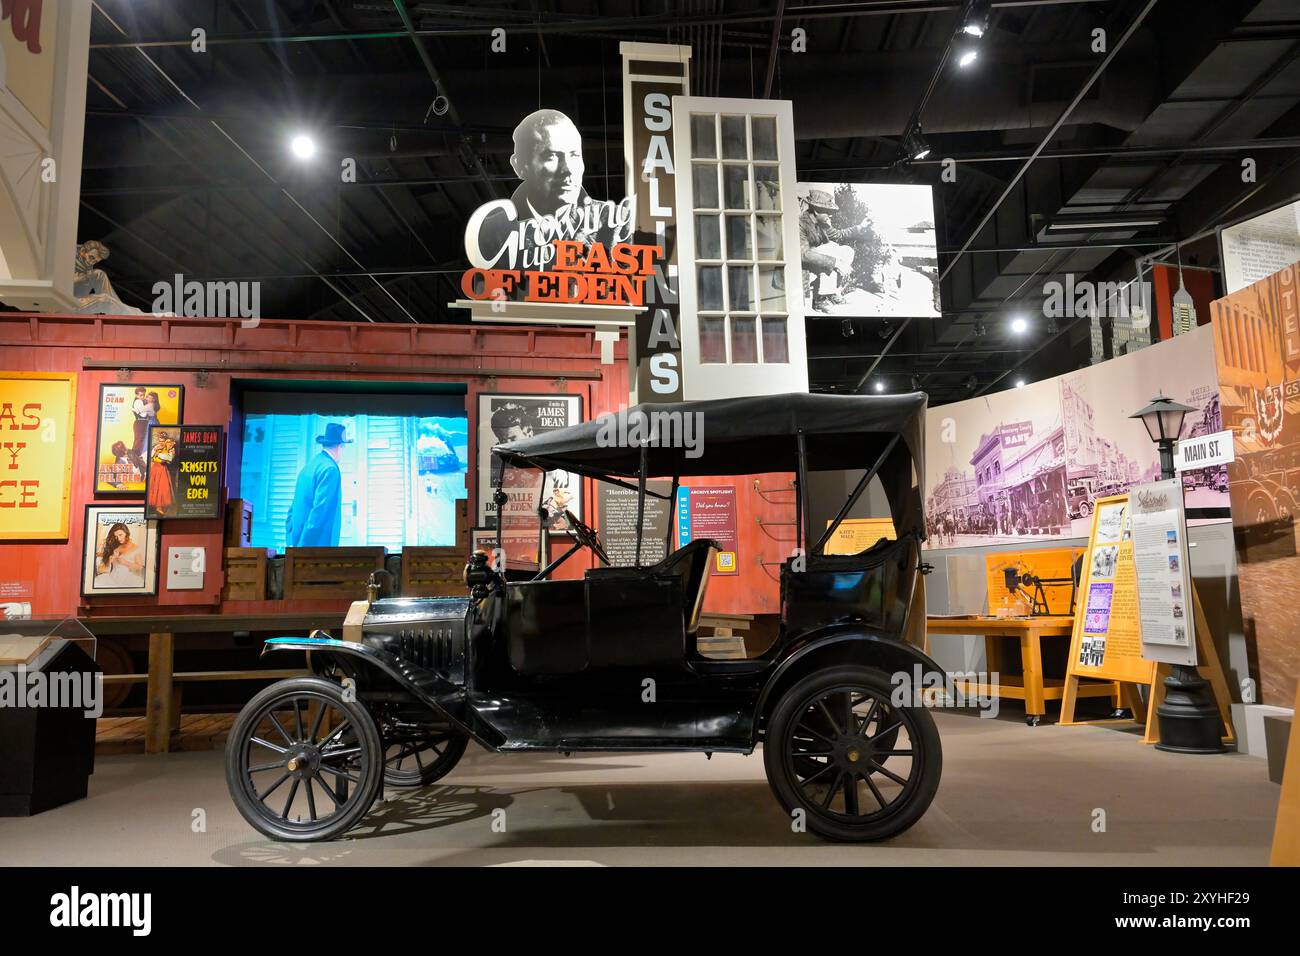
pixel 503 418
pixel 122 433
pixel 37 413
pixel 120 553
pixel 184 472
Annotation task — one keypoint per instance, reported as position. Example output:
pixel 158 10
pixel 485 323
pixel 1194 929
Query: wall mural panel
pixel 1028 463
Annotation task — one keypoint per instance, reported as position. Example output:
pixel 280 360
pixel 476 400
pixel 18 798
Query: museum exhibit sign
pixel 1259 246
pixel 37 436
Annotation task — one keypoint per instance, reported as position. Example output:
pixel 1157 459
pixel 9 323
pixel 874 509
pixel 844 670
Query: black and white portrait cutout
pixel 550 203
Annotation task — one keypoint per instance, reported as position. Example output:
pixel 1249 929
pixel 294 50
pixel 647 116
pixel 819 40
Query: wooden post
pixel 158 704
pixel 1286 834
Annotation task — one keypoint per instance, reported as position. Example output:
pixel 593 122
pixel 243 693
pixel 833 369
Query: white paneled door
pixel 742 322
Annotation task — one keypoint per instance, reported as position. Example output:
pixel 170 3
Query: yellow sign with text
pixel 37 411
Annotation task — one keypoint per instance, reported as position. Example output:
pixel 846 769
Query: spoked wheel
pixel 418 756
pixel 303 763
pixel 859 767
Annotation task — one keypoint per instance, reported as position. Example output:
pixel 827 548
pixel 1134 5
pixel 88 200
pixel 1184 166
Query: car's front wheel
pixel 304 761
pixel 857 766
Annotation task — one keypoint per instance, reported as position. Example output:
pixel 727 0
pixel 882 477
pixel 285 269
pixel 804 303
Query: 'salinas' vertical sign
pixel 653 73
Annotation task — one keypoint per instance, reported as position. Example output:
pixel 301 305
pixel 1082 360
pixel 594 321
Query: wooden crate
pixel 245 574
pixel 329 572
pixel 239 523
pixel 433 572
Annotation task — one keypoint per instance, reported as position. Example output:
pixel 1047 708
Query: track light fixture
pixel 914 145
pixel 967 54
pixel 975 22
pixel 979 329
pixel 971 383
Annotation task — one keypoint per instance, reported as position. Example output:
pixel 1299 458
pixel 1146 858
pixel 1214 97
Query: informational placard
pixel 37 411
pixel 1107 639
pixel 618 506
pixel 1164 583
pixel 1260 246
pixel 185 567
pixel 184 475
pixel 855 535
pixel 518 544
pixel 1204 451
pixel 710 513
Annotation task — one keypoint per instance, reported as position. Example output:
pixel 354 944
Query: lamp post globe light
pixel 1188 718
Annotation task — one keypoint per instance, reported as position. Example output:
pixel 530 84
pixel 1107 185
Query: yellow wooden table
pixel 1031 686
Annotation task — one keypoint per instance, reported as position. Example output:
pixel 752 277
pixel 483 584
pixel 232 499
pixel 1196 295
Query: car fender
pixel 443 697
pixel 847 642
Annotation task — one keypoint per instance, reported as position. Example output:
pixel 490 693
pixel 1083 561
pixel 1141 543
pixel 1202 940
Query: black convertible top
pixel 744 436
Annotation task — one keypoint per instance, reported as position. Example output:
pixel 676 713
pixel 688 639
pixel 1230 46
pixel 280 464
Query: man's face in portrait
pixel 549 161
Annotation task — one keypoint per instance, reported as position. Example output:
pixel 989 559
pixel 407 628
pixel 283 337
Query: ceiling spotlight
pixel 979 329
pixel 971 383
pixel 879 386
pixel 1020 325
pixel 976 21
pixel 914 145
pixel 1020 383
pixel 886 330
pixel 303 146
pixel 966 55
pixel 916 383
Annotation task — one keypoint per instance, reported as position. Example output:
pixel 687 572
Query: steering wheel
pixel 587 536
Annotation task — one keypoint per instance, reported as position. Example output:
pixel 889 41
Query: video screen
pixel 340 469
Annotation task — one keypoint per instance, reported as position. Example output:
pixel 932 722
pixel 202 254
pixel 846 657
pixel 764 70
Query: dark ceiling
pixel 187 169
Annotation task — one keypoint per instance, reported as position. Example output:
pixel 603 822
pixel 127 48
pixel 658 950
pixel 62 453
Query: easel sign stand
pixel 1106 643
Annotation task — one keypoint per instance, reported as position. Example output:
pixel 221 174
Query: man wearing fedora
pixel 827 262
pixel 316 516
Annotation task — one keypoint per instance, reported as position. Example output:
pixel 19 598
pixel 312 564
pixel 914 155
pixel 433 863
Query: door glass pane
pixel 767 187
pixel 738 235
pixel 740 287
pixel 775 346
pixel 764 132
pixel 705 177
pixel 704 141
pixel 744 339
pixel 713 343
pixel 733 138
pixel 771 288
pixel 735 186
pixel 708 238
pixel 710 279
pixel 769 237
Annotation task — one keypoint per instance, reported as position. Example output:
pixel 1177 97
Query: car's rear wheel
pixel 303 762
pixel 416 757
pixel 858 767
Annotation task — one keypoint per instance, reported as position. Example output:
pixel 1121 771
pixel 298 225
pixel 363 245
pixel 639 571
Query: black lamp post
pixel 1189 718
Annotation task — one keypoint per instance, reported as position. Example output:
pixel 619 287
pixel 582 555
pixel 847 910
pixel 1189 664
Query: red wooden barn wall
pixel 518 359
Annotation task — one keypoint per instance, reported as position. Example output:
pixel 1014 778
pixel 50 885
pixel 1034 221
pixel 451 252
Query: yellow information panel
pixel 37 411
pixel 855 535
pixel 1107 641
pixel 1049 564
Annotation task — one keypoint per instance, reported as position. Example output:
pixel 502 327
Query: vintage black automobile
pixel 609 662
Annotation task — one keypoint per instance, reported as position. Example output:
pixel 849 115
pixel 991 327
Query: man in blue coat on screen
pixel 317 512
